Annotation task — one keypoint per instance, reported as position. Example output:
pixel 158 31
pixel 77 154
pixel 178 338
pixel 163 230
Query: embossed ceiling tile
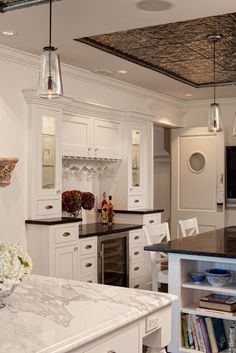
pixel 161 54
pixel 225 77
pixel 199 79
pixel 194 66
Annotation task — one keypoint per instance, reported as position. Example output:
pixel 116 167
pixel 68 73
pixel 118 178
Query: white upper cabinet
pixel 44 156
pixel 91 137
pixel 76 136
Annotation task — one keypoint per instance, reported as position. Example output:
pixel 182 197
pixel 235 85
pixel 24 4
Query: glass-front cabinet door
pixel 48 152
pixel 137 158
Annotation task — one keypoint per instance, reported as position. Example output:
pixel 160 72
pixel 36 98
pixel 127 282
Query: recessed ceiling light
pixel 8 32
pixel 188 94
pixel 155 5
pixel 122 72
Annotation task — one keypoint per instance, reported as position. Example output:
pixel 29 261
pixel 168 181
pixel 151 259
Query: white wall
pixel 197 115
pixel 19 71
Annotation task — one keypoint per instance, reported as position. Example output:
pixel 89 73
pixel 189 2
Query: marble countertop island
pixel 51 315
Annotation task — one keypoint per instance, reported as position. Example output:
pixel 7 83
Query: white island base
pixel 51 315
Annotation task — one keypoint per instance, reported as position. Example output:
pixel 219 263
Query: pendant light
pixel 50 82
pixel 214 120
pixel 234 125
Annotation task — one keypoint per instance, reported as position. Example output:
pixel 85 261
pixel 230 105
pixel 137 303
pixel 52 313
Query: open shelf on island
pixel 208 287
pixel 193 309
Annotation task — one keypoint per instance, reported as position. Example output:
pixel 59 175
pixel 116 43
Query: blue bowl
pixel 197 277
pixel 218 277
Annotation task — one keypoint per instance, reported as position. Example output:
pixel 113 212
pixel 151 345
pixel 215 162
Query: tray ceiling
pixel 179 50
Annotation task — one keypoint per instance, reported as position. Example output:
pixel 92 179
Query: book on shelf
pixel 220 298
pixel 211 334
pixel 217 306
pixel 189 332
pixel 205 335
pixel 220 335
pixel 199 334
pixel 206 311
pixel 184 330
pixel 195 340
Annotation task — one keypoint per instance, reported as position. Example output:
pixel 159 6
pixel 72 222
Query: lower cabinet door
pixel 66 259
pixel 125 342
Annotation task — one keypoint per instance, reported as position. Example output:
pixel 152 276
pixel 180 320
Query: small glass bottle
pixel 110 212
pixel 104 210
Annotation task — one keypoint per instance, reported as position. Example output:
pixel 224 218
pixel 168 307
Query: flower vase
pixel 4 293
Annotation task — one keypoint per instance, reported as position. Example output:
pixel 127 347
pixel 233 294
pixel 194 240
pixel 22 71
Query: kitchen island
pixel 52 315
pixel 214 249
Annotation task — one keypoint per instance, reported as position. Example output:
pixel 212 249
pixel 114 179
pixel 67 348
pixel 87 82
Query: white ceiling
pixel 80 18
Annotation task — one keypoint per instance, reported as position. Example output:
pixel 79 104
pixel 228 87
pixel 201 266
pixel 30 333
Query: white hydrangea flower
pixel 15 263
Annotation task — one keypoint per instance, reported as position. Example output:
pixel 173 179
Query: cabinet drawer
pixel 135 238
pixel 127 341
pixel 136 201
pixel 66 234
pixel 135 253
pixel 88 246
pixel 48 207
pixel 90 278
pixel 152 218
pixel 87 265
pixel 135 269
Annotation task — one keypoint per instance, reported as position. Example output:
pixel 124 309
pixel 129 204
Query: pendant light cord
pixel 50 24
pixel 214 43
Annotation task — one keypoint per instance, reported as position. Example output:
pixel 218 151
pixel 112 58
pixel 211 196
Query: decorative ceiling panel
pixel 179 50
pixel 11 5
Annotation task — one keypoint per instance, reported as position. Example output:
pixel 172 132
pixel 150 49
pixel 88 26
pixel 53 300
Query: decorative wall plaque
pixel 7 165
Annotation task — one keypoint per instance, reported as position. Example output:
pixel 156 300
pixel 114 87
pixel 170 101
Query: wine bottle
pixel 104 209
pixel 110 212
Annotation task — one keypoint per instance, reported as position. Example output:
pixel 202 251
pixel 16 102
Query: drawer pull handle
pixel 136 268
pixel 88 264
pixel 136 201
pixel 136 253
pixel 88 246
pixel 136 237
pixel 136 286
pixel 75 249
pixel 49 207
pixel 66 234
pixel 89 281
pixel 89 149
pixel 151 221
pixel 96 149
pixel 58 192
pixel 111 351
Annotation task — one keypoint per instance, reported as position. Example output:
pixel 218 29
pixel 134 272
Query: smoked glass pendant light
pixel 50 82
pixel 214 119
pixel 234 125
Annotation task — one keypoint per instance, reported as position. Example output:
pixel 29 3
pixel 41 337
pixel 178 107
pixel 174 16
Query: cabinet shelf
pixel 206 286
pixel 193 309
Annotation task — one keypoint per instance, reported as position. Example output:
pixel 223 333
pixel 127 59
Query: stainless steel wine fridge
pixel 113 251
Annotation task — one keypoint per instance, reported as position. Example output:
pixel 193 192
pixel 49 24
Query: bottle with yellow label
pixel 104 210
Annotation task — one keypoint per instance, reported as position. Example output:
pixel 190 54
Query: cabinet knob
pixel 136 253
pixel 151 221
pixel 88 246
pixel 75 249
pixel 88 264
pixel 111 351
pixel 136 201
pixel 66 234
pixel 49 207
pixel 89 281
pixel 136 237
pixel 136 268
pixel 58 192
pixel 136 286
pixel 89 149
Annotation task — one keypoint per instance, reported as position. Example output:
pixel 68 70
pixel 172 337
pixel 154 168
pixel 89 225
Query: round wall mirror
pixel 197 162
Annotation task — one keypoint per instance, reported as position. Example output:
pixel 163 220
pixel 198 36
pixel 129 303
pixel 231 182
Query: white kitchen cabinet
pixel 91 137
pixel 88 259
pixel 128 339
pixel 44 156
pixel 54 249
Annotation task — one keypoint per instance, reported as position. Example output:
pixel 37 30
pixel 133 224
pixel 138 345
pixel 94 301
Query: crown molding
pixel 31 97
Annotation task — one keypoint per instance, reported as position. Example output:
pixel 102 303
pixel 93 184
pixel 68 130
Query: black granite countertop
pixel 141 211
pixel 220 243
pixel 52 221
pixel 87 230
